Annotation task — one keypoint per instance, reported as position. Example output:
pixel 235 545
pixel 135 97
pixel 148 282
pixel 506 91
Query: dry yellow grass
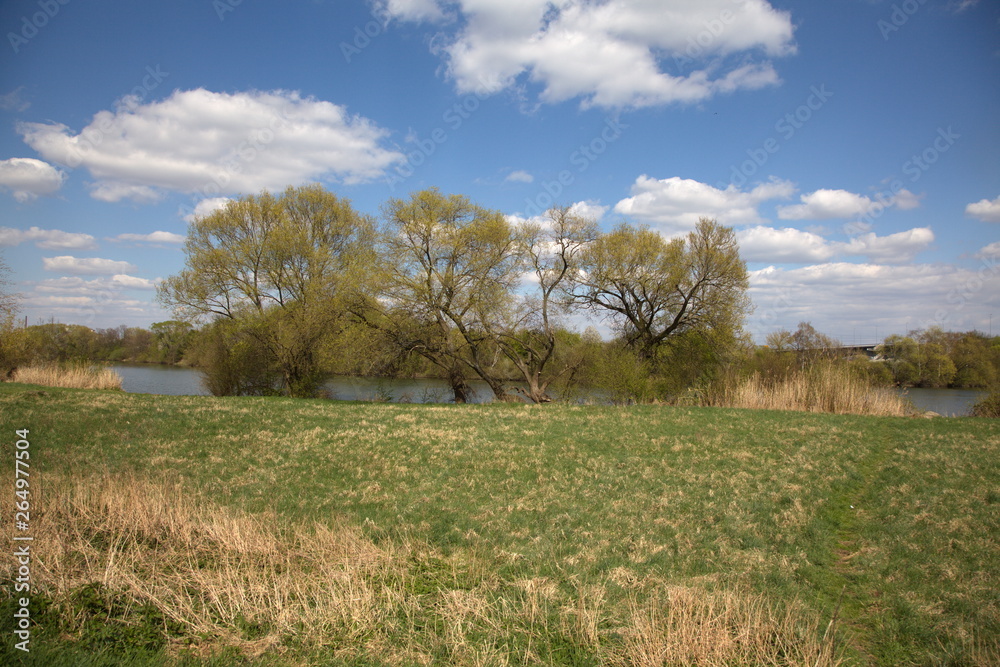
pixel 216 573
pixel 69 377
pixel 824 388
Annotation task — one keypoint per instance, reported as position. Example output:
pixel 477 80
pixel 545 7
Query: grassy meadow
pixel 196 530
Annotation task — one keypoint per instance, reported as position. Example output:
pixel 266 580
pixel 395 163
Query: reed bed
pixel 116 554
pixel 822 388
pixel 79 376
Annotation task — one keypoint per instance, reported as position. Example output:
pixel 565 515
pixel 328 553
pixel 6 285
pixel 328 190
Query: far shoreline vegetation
pixel 281 292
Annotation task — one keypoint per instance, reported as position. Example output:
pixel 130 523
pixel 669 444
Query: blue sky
pixel 853 145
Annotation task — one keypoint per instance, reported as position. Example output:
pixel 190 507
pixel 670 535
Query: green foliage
pixel 234 362
pixel 281 268
pixel 655 289
pixel 447 269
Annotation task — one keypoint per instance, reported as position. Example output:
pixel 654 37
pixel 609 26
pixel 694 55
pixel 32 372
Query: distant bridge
pixel 844 350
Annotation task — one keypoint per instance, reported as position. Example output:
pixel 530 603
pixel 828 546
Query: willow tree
pixel 658 291
pixel 447 267
pixel 279 268
pixel 530 337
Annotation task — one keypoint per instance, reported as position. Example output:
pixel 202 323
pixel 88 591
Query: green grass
pixel 561 534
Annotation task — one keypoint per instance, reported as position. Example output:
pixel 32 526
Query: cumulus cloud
pixel 615 53
pixel 793 246
pixel 212 144
pixel 153 237
pixel 766 244
pixel 828 204
pixel 985 210
pixel 86 265
pixel 27 178
pixel 48 239
pixel 891 249
pixel 206 207
pixel 675 204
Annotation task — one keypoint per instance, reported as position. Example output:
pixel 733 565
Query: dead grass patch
pixel 824 388
pixel 69 377
pixel 230 579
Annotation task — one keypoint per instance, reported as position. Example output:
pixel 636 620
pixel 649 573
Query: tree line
pixel 279 292
pixel 284 281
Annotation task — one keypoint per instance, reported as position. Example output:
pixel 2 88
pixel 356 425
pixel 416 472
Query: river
pixel 181 381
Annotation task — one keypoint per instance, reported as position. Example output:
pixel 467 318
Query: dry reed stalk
pixel 69 377
pixel 821 389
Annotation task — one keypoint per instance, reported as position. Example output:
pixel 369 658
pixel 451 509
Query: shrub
pixel 989 406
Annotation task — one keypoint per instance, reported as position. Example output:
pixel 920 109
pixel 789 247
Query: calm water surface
pixel 179 381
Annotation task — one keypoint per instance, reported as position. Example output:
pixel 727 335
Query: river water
pixel 180 381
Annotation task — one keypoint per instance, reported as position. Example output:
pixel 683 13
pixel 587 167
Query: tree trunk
pixel 459 387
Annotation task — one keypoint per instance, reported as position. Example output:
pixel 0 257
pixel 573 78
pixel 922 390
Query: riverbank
pixel 368 533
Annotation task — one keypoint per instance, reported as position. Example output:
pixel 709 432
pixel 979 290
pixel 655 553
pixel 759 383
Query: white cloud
pixel 892 249
pixel 618 52
pixel 97 302
pixel 132 282
pixel 206 207
pixel 28 178
pixel 992 251
pixel 154 237
pixel 826 204
pixel 906 200
pixel 843 299
pixel 49 239
pixel 97 286
pixel 208 143
pixel 675 204
pixel 85 265
pixel 411 10
pixel 591 210
pixel 588 209
pixel 519 176
pixel 766 244
pixel 985 210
